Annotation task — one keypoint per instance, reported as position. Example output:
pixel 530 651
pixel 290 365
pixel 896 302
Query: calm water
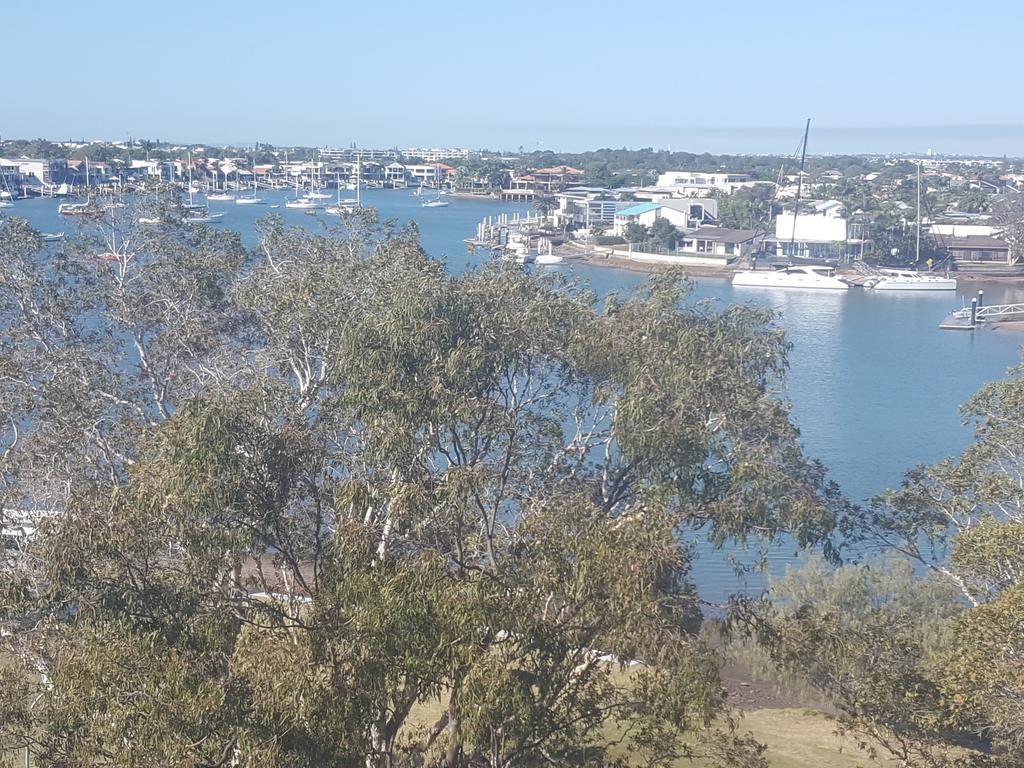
pixel 875 385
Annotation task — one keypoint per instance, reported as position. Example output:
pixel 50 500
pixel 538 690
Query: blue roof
pixel 636 210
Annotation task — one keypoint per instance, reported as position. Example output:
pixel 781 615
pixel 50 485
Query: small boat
pixel 52 237
pixel 6 204
pixel 247 200
pixel 220 196
pixel 78 209
pixel 807 277
pixel 437 202
pixel 200 214
pixel 910 280
pixel 317 196
pixel 148 220
pixel 208 218
pixel 303 202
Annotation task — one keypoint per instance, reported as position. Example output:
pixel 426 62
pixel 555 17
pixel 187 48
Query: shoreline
pixel 601 259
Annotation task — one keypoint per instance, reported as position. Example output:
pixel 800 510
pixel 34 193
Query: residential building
pixel 553 179
pixel 698 184
pixel 720 242
pixel 395 174
pixel 10 178
pixel 437 155
pixel 690 213
pixel 588 207
pixel 979 251
pixel 352 154
pixel 818 232
pixel 644 214
pixel 42 172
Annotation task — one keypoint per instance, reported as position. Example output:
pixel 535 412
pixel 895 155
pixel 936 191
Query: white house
pixel 588 206
pixel 698 184
pixel 639 213
pixel 691 213
pixel 818 232
pixel 719 242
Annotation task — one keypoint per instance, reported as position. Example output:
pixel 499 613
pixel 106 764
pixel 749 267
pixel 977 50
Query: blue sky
pixel 698 76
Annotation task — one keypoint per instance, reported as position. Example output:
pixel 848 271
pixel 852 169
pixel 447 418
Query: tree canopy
pixel 326 503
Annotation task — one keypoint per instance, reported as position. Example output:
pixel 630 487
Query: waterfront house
pixel 699 184
pixel 644 214
pixel 10 178
pixel 819 230
pixel 719 242
pixel 980 252
pixel 588 207
pixel 553 179
pixel 42 174
pixel 690 213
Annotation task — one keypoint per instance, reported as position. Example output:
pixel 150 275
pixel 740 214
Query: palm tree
pixel 545 205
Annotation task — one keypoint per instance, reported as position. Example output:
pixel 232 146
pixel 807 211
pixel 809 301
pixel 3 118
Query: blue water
pixel 874 384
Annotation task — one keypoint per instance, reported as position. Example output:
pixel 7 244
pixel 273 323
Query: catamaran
pixel 910 279
pixel 811 277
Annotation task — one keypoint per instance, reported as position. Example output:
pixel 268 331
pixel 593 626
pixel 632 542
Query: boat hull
pixel 777 280
pixel 938 284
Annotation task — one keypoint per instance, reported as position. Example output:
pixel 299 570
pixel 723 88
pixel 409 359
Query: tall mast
pixel 917 246
pixel 799 186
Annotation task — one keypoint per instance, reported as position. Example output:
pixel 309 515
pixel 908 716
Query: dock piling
pixel 974 312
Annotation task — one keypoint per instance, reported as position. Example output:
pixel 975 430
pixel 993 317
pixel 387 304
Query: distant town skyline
pixel 881 78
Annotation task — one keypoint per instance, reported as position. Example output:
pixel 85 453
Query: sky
pixel 570 75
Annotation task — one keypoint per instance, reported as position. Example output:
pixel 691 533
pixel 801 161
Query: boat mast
pixel 917 245
pixel 799 187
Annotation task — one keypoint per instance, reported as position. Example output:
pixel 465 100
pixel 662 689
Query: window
pixel 730 249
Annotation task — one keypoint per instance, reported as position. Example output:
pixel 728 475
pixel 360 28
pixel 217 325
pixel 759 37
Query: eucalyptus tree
pixel 923 679
pixel 101 337
pixel 400 516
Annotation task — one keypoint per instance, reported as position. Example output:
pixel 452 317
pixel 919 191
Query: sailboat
pixel 808 276
pixel 911 279
pixel 251 199
pixel 198 214
pixel 342 205
pixel 302 202
pixel 436 202
pixel 222 194
pixel 80 209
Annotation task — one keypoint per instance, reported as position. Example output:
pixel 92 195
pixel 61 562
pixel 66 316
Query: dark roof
pixel 723 235
pixel 974 241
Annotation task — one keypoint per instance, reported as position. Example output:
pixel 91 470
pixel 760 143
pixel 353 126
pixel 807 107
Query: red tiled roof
pixel 565 170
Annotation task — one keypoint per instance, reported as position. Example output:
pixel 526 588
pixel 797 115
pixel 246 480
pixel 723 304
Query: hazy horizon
pixel 567 77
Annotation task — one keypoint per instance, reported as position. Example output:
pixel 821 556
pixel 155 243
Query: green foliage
pixel 365 488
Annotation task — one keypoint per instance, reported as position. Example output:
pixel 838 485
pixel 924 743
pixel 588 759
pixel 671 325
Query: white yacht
pixel 910 280
pixel 811 277
pixel 303 202
pixel 219 196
